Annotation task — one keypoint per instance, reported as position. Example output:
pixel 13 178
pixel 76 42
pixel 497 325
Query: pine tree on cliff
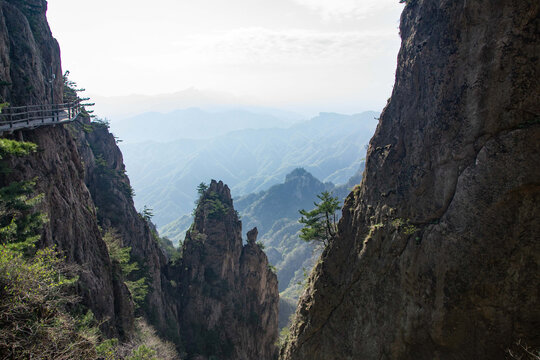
pixel 320 223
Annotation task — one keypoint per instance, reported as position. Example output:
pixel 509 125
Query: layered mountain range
pixel 165 175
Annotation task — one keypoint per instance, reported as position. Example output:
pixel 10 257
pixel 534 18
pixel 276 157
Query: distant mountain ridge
pixel 193 123
pixel 165 175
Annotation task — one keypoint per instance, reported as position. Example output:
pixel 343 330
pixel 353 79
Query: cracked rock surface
pixel 438 250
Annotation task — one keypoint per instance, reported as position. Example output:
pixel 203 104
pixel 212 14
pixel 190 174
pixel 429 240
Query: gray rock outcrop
pixel 228 295
pixel 438 250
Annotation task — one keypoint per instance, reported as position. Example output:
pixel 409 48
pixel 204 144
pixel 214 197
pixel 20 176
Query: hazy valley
pixel 165 174
pixel 205 226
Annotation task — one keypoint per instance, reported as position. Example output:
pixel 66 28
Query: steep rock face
pixel 438 251
pixel 72 224
pixel 29 55
pixel 111 193
pixel 228 297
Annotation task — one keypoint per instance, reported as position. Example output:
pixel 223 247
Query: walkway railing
pixel 21 117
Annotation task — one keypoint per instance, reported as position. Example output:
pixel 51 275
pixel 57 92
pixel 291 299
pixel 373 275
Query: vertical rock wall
pixel 29 55
pixel 112 194
pixel 437 255
pixel 228 296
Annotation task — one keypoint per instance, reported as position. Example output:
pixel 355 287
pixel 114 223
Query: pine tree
pixel 320 223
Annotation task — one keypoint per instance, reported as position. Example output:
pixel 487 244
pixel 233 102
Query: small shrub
pixel 118 253
pixel 107 349
pixel 405 226
pixel 284 336
pixel 216 209
pixel 377 226
pixel 147 213
pixel 138 290
pixel 143 352
pixel 409 229
pixel 128 190
pixel 99 123
pixel 146 344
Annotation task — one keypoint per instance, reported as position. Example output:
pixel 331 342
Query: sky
pixel 321 55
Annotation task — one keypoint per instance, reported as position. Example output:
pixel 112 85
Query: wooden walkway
pixel 32 116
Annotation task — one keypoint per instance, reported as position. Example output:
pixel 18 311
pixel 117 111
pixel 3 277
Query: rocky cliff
pixel 80 171
pixel 72 224
pixel 111 192
pixel 222 293
pixel 228 295
pixel 29 57
pixel 30 68
pixel 438 249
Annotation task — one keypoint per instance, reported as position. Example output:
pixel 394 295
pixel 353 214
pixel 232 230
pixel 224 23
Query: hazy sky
pixel 339 55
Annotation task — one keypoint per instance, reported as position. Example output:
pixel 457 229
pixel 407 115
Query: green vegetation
pixel 377 226
pixel 34 285
pixel 3 104
pixel 405 226
pixel 71 94
pixel 211 202
pixel 99 123
pixel 216 208
pixel 147 213
pixel 121 255
pixel 20 222
pixel 14 148
pixel 163 173
pixel 201 189
pixel 143 352
pixel 34 320
pixel 173 253
pixel 272 268
pixel 144 345
pixel 320 223
pixel 284 333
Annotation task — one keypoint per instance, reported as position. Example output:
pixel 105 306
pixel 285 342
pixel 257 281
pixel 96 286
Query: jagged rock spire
pixel 252 235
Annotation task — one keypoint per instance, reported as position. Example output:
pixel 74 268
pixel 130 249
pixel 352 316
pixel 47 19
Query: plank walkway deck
pixel 32 116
